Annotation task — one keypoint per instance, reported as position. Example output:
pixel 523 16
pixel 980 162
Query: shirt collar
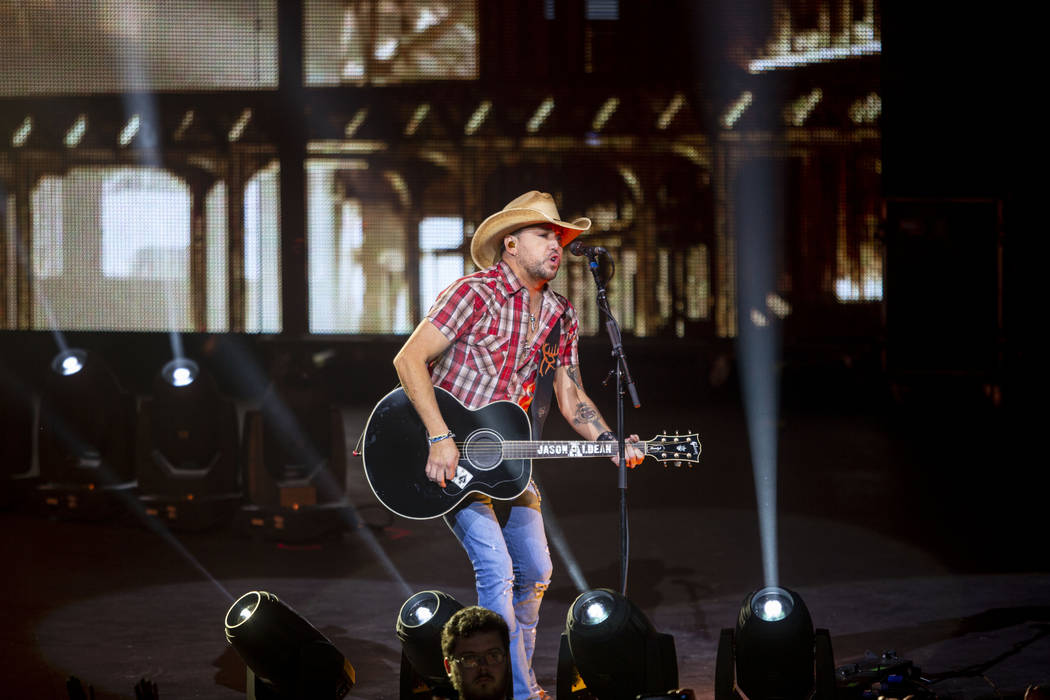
pixel 514 285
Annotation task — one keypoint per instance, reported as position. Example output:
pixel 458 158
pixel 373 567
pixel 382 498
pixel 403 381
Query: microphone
pixel 589 251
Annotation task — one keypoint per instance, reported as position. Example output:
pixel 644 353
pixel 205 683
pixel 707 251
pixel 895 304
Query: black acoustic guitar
pixel 495 453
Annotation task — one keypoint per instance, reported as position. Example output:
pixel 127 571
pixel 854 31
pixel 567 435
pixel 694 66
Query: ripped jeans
pixel 512 569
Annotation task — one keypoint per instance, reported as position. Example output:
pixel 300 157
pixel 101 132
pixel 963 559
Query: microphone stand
pixel 623 380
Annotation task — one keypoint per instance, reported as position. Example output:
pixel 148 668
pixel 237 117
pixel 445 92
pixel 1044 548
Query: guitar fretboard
pixel 555 449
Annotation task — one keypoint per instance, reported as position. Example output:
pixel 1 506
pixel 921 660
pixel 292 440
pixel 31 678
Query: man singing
pixel 482 341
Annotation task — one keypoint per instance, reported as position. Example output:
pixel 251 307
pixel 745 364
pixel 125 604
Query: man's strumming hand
pixel 442 461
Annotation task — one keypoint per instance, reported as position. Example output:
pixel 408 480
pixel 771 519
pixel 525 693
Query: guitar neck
pixel 563 449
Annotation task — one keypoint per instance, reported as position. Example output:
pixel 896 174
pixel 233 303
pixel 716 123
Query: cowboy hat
pixel 530 208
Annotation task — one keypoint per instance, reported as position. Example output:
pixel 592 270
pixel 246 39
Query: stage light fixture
pixel 774 653
pixel 86 436
pixel 772 604
pixel 615 650
pixel 181 371
pixel 287 658
pixel 187 449
pixel 419 625
pixel 69 362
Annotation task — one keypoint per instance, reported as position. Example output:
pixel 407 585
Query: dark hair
pixel 467 622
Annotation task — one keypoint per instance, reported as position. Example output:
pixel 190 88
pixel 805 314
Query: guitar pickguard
pixel 462 477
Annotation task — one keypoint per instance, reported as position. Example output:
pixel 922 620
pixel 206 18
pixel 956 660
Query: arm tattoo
pixel 586 413
pixel 574 374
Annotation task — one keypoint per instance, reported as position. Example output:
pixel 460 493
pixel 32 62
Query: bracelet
pixel 439 438
pixel 607 436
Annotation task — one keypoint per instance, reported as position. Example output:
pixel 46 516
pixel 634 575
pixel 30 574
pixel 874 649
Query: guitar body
pixel 395 451
pixel 495 453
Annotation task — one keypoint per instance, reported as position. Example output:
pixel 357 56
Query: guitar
pixel 495 448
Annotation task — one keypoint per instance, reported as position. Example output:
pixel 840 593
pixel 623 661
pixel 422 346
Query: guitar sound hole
pixel 483 449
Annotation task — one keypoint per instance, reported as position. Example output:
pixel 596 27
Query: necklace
pixel 532 322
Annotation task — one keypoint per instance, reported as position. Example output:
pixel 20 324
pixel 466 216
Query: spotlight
pixel 419 625
pixel 772 604
pixel 69 362
pixel 287 657
pixel 614 649
pixel 86 437
pixel 180 372
pixel 187 449
pixel 774 653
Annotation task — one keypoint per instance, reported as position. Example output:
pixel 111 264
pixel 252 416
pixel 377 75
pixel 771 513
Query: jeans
pixel 512 569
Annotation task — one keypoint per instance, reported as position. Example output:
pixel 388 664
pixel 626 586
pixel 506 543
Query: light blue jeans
pixel 512 569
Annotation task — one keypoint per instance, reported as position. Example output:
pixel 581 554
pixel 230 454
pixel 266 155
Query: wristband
pixel 607 436
pixel 439 438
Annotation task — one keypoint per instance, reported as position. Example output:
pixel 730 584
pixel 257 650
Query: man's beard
pixel 541 270
pixel 491 693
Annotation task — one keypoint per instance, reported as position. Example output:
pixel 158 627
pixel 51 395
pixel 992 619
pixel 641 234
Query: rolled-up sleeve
pixel 568 346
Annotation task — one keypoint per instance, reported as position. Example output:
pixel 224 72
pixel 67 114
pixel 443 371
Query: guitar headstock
pixel 674 448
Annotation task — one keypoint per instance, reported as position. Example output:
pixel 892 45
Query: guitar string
pixel 532 445
pixel 525 451
pixel 519 443
pixel 529 444
pixel 522 452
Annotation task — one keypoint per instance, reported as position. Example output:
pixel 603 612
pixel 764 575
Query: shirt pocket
pixel 489 353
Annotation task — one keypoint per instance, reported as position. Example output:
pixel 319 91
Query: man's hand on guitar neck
pixel 442 461
pixel 632 454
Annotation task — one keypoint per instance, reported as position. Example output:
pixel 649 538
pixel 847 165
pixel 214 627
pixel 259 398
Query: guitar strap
pixel 541 395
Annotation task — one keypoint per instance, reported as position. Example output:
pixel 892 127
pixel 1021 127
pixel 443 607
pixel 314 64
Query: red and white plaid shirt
pixel 486 318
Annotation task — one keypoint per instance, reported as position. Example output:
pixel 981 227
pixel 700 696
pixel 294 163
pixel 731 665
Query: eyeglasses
pixel 492 657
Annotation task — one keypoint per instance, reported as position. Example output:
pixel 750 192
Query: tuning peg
pixel 678 462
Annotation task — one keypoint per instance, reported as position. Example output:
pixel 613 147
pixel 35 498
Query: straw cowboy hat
pixel 530 208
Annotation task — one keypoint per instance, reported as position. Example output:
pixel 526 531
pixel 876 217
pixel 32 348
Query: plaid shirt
pixel 485 316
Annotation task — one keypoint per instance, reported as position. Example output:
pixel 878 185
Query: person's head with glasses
pixel 474 643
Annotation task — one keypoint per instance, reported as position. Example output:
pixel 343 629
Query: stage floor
pixel 903 529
